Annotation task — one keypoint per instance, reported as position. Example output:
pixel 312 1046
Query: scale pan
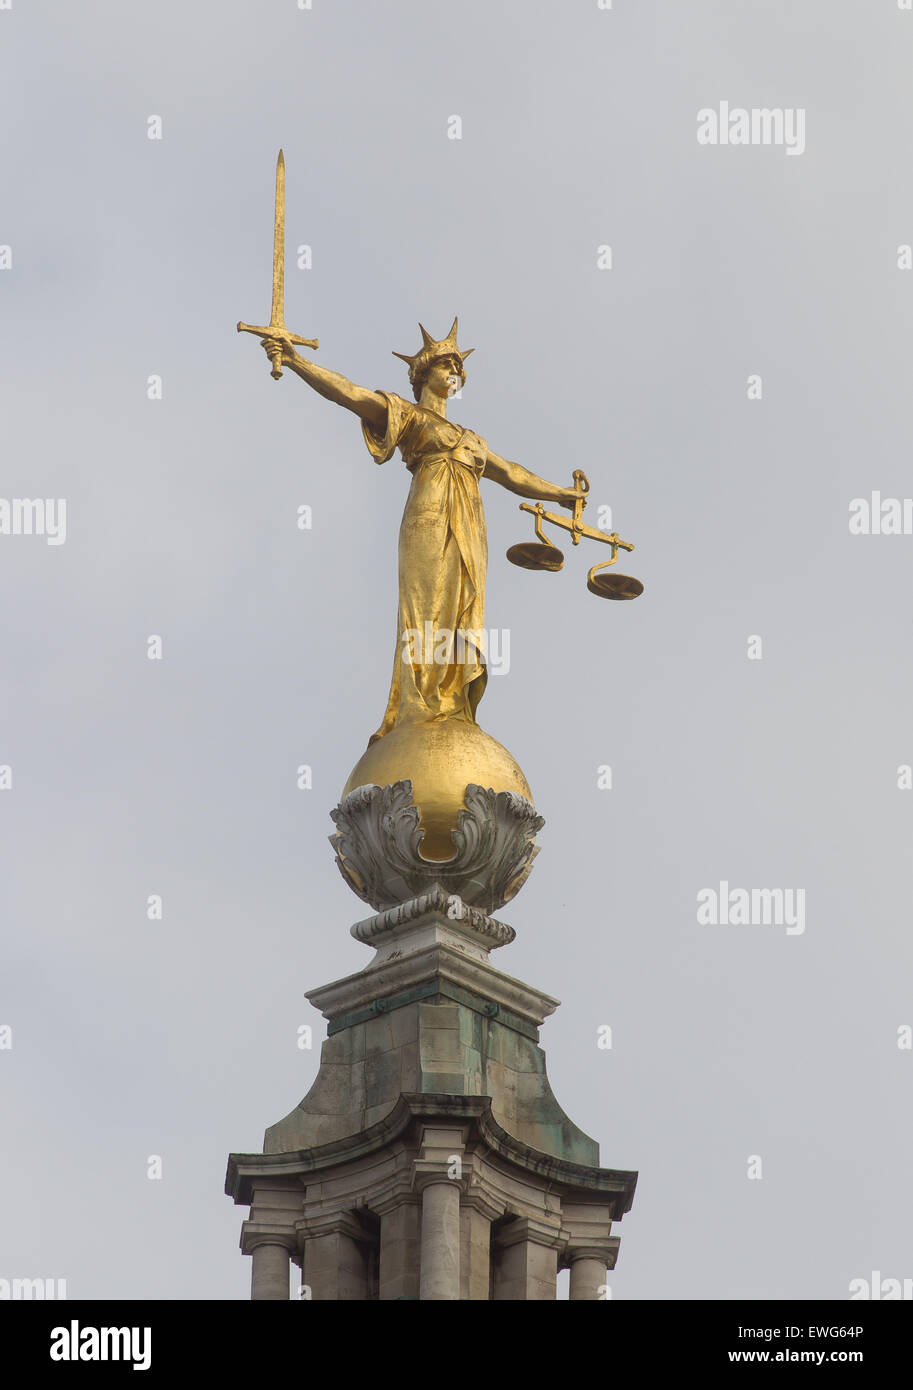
pixel 614 585
pixel 531 555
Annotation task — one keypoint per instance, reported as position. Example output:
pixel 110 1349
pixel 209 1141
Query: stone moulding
pixel 472 921
pixel 378 847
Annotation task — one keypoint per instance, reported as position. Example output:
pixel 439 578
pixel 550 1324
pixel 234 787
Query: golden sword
pixel 276 328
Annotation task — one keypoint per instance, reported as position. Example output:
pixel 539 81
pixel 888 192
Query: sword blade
pixel 277 314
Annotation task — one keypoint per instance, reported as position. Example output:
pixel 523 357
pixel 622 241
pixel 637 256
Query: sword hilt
pixel 282 338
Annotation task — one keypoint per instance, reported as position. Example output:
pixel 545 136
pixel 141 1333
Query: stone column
pixel 268 1236
pixel 526 1268
pixel 588 1274
pixel 440 1275
pixel 269 1277
pixel 437 1173
pixel 590 1250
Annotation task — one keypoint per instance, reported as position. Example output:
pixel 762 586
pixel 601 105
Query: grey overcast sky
pixel 133 258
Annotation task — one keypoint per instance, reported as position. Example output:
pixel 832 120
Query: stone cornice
pixel 602 1181
pixel 244 1170
pixel 434 963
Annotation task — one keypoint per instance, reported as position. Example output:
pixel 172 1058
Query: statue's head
pixel 437 363
pixel 443 376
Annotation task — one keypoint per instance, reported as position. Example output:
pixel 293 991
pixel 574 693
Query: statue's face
pixel 444 377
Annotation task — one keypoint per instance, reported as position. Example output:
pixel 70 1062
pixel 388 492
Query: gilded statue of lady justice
pixel 443 549
pixel 429 739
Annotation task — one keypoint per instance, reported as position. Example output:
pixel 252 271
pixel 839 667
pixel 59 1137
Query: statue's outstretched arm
pixel 334 386
pixel 518 479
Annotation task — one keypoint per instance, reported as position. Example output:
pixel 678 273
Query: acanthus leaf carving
pixel 378 846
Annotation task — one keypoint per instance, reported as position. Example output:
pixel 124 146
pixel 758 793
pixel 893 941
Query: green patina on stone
pixel 446 1047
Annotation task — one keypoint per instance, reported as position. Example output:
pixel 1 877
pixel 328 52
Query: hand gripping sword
pixel 276 328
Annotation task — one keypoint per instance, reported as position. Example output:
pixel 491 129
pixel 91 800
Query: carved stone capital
pixel 254 1233
pixel 606 1252
pixel 378 847
pixel 424 1174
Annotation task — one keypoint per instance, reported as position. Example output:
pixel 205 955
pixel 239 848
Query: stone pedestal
pixel 430 1159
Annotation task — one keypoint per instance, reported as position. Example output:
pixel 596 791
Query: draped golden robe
pixel 443 557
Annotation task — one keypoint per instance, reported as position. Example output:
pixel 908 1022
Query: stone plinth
pixel 430 1158
pixel 431 1016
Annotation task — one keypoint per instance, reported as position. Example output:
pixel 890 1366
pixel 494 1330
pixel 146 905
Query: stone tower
pixel 430 1159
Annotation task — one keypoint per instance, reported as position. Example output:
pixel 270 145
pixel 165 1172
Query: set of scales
pixel 540 554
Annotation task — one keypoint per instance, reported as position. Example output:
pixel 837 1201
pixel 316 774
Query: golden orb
pixel 441 759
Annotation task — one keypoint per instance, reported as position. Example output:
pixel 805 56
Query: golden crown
pixel 432 349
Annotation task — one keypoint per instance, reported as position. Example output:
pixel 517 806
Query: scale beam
pixel 576 528
pixel 542 554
